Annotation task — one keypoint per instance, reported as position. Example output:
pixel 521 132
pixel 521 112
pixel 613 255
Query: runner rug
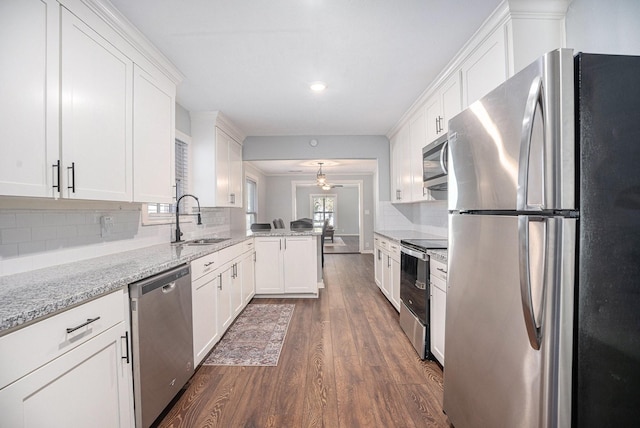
pixel 255 338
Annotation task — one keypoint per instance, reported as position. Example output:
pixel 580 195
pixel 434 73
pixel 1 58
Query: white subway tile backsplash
pixel 43 233
pixel 7 220
pixel 8 251
pixel 54 219
pixel 27 219
pixel 31 247
pixel 16 235
pixel 67 231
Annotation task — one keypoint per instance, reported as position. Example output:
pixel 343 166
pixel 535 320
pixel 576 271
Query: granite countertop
pixel 398 235
pixel 29 296
pixel 287 232
pixel 440 255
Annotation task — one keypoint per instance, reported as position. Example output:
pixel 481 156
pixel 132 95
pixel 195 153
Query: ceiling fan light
pixel 317 86
pixel 321 178
pixel 326 187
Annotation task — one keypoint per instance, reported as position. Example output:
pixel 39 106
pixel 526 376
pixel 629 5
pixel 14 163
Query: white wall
pixel 347 217
pixel 280 200
pixel 598 26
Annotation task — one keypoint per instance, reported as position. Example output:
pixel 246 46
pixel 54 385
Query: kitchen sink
pixel 204 241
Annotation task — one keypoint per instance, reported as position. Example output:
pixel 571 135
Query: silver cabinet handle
pixel 208 264
pixel 89 321
pixel 220 281
pixel 126 346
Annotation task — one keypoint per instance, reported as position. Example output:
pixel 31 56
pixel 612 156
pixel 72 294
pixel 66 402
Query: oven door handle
pixel 417 254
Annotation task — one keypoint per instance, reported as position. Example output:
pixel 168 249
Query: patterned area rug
pixel 255 338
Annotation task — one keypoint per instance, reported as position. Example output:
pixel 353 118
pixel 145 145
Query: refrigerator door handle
pixel 534 100
pixel 443 153
pixel 533 330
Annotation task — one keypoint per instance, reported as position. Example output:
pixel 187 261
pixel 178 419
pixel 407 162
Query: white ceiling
pixel 253 59
pixel 331 167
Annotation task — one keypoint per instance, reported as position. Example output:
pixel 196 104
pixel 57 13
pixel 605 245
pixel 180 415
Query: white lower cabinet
pixel 438 307
pixel 286 265
pixel 248 276
pixel 204 291
pixel 387 268
pixel 222 286
pixel 88 383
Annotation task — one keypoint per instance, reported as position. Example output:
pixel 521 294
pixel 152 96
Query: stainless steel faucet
pixel 178 233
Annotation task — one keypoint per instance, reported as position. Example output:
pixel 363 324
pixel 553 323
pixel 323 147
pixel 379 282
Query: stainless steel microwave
pixel 434 164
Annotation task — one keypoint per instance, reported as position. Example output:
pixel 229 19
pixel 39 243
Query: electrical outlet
pixel 106 225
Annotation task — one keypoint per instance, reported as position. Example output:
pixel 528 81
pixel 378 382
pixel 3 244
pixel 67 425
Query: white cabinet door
pixel 485 68
pixel 248 277
pixel 29 105
pixel 204 308
pixel 225 311
pixel 387 279
pixel 223 169
pixel 394 282
pixel 438 306
pixel 418 126
pixel 451 97
pixel 378 262
pixel 269 266
pixel 85 387
pixel 300 259
pixel 401 167
pixel 433 117
pixel 96 114
pixel 237 302
pixel 153 137
pixel 236 178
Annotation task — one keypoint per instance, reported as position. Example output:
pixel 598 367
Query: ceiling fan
pixel 321 180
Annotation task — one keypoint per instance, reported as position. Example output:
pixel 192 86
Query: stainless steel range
pixel 414 291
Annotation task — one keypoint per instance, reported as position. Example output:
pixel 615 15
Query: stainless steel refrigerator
pixel 543 301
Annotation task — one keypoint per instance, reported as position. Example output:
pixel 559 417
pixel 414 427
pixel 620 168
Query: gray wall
pixel 329 147
pixel 280 200
pixel 347 217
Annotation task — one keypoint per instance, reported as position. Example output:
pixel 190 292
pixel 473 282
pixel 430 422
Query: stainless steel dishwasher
pixel 162 340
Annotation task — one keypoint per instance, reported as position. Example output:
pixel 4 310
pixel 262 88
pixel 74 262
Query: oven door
pixel 414 273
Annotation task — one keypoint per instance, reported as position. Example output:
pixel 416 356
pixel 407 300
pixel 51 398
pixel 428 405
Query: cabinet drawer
pixel 438 269
pixel 33 346
pixel 438 283
pixel 247 245
pixel 394 250
pixel 204 265
pixel 227 255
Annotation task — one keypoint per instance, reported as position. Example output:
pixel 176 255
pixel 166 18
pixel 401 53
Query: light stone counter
pixel 398 235
pixel 440 255
pixel 30 296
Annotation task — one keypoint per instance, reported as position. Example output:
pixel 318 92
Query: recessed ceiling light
pixel 317 86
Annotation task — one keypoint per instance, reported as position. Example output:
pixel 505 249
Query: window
pixel 252 201
pixel 158 213
pixel 323 207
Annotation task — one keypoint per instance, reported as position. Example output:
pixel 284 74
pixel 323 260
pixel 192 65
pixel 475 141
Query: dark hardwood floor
pixel 345 363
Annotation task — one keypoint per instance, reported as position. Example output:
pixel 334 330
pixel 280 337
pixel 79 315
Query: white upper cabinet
pixel 29 105
pixel 78 104
pixel 97 82
pixel 515 34
pixel 153 136
pixel 442 106
pixel 217 160
pixel 485 68
pixel 418 127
